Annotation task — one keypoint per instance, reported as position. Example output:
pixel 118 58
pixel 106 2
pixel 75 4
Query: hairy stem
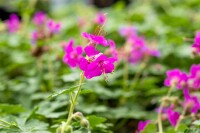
pixel 73 100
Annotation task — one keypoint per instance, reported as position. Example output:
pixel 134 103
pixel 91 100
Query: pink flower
pixel 113 49
pixel 172 116
pixel 53 26
pixel 39 18
pixel 95 39
pixel 194 77
pixel 100 18
pixel 34 37
pixel 177 78
pixel 142 125
pixel 191 102
pixel 13 23
pixel 128 31
pixel 196 44
pixel 72 54
pixel 96 63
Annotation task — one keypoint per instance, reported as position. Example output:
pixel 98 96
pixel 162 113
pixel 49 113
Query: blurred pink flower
pixel 142 125
pixel 194 77
pixel 95 39
pixel 72 54
pixel 13 23
pixel 100 18
pixel 172 116
pixel 39 18
pixel 53 26
pixel 196 44
pixel 177 78
pixel 128 31
pixel 34 37
pixel 112 49
pixel 191 102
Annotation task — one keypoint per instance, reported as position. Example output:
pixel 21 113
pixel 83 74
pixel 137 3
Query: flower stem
pixel 159 119
pixel 137 75
pixel 73 100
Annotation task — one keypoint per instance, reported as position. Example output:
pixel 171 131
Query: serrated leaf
pixel 95 120
pixel 65 91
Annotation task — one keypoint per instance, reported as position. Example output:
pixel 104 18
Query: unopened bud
pixel 68 129
pixel 77 116
pixel 84 123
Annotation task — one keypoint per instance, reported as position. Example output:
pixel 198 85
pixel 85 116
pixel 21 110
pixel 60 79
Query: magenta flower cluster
pixel 187 82
pixel 182 80
pixel 95 63
pixel 136 48
pixel 13 23
pixel 46 27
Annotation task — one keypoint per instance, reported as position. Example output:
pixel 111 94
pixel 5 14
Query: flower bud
pixel 77 116
pixel 68 129
pixel 84 123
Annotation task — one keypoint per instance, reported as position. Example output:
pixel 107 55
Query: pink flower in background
pixel 196 44
pixel 96 63
pixel 177 78
pixel 72 54
pixel 128 31
pixel 34 37
pixel 100 18
pixel 95 39
pixel 113 50
pixel 172 116
pixel 13 23
pixel 142 125
pixel 53 26
pixel 191 102
pixel 39 18
pixel 194 77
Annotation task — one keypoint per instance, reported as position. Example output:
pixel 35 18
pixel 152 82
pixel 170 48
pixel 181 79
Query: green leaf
pixel 150 128
pixel 95 120
pixel 11 109
pixel 65 91
pixel 193 130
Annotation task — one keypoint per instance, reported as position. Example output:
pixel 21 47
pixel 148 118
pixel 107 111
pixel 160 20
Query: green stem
pixel 159 119
pixel 137 76
pixel 74 99
pixel 125 76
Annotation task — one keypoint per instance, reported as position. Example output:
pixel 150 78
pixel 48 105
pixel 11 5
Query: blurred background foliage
pixel 24 90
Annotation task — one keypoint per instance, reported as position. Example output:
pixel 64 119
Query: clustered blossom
pixel 95 63
pixel 196 44
pixel 191 102
pixel 100 18
pixel 13 23
pixel 187 82
pixel 142 125
pixel 45 27
pixel 182 80
pixel 135 48
pixel 73 54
